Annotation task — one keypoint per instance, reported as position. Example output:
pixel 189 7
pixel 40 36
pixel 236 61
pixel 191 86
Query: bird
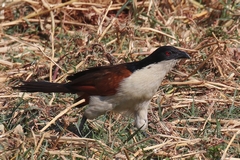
pixel 123 88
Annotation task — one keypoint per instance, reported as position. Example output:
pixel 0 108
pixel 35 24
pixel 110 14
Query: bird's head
pixel 168 53
pixel 164 53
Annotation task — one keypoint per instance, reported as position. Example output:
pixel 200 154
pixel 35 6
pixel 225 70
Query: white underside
pixel 133 95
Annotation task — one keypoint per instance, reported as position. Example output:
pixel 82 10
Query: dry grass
pixel 195 114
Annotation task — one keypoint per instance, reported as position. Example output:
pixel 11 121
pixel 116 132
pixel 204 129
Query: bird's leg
pixel 141 120
pixel 79 129
pixel 83 121
pixel 145 134
pixel 82 96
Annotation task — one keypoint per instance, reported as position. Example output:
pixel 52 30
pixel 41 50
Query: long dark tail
pixel 45 87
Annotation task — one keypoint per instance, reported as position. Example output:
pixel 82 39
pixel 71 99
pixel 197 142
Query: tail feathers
pixel 46 87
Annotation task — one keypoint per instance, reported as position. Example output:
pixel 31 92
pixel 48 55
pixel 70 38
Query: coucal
pixel 126 87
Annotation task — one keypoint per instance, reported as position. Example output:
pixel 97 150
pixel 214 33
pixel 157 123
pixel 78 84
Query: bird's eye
pixel 167 53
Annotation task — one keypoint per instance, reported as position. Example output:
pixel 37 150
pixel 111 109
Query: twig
pixel 229 144
pixel 104 17
pixel 61 114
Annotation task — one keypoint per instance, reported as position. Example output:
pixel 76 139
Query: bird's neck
pixel 133 66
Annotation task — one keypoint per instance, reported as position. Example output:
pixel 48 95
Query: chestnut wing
pixel 102 81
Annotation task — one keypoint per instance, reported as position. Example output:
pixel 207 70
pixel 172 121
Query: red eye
pixel 168 53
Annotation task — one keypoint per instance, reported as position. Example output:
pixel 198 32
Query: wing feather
pixel 102 81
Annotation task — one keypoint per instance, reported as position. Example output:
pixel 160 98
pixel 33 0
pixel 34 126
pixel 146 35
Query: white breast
pixel 143 83
pixel 133 91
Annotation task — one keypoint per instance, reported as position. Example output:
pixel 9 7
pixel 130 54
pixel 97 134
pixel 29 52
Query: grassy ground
pixel 194 115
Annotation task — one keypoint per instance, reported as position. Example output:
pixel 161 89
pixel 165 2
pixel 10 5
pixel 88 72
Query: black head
pixel 161 54
pixel 168 53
